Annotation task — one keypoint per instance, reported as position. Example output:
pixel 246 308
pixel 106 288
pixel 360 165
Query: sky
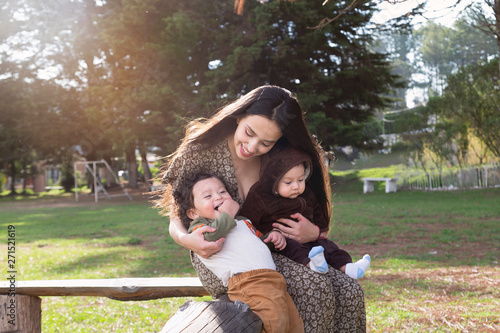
pixel 443 12
pixel 440 11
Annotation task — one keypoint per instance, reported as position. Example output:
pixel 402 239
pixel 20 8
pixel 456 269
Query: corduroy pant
pixel 264 290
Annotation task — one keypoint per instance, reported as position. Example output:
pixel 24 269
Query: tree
pixel 333 71
pixel 472 98
pixel 488 23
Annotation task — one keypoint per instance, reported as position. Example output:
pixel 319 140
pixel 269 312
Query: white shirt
pixel 242 251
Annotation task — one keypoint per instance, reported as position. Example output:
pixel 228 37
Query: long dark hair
pixel 274 103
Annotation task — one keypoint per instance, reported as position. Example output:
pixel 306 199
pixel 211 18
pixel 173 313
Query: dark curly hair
pixel 183 195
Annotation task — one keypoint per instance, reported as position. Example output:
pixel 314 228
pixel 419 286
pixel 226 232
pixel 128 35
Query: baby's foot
pixel 318 261
pixel 357 270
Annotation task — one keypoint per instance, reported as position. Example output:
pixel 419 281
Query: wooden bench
pixel 390 184
pixel 21 304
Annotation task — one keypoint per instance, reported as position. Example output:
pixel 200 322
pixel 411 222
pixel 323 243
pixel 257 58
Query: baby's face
pixel 208 194
pixel 293 183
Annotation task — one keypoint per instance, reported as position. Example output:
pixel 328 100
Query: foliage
pixel 442 50
pixel 128 75
pixel 339 80
pixel 458 128
pixel 472 99
pixel 67 174
pixel 3 180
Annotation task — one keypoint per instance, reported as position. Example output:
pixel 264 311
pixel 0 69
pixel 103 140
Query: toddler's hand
pixel 230 206
pixel 277 239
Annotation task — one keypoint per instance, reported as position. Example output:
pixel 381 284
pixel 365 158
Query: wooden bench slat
pixel 124 289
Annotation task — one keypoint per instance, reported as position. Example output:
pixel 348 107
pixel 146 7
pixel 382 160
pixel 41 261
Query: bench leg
pixel 367 186
pixel 390 186
pixel 20 313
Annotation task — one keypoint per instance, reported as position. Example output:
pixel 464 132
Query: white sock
pixel 318 261
pixel 357 269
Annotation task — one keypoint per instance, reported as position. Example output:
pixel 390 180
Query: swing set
pixel 92 168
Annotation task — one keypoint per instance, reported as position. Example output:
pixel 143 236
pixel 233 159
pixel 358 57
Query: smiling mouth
pixel 245 152
pixel 217 207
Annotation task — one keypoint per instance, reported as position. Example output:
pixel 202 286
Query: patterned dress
pixel 327 303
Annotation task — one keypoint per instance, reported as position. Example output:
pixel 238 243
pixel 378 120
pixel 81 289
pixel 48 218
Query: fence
pixel 450 179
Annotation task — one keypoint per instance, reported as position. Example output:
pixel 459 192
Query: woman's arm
pixel 303 231
pixel 194 241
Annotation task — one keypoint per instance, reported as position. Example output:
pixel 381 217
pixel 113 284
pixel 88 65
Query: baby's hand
pixel 229 206
pixel 277 239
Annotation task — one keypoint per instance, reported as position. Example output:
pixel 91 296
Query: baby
pixel 244 264
pixel 283 191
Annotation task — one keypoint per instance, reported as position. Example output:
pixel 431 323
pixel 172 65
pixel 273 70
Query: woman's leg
pixel 209 280
pixel 327 303
pixel 350 313
pixel 311 292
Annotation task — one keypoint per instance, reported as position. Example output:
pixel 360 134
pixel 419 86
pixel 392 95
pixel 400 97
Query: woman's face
pixel 255 136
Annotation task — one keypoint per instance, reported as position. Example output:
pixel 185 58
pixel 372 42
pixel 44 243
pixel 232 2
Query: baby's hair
pixel 183 194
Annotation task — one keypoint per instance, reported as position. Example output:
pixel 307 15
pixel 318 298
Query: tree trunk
pixel 147 172
pixel 25 178
pixel 214 316
pixel 13 179
pixel 131 167
pixel 110 175
pixel 496 10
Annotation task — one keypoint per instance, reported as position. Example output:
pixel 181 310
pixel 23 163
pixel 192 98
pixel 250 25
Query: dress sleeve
pixel 183 163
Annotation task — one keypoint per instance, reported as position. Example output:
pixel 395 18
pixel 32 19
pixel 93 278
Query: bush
pixel 67 176
pixel 3 180
pixel 399 146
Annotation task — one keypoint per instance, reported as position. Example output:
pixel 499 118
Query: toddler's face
pixel 293 183
pixel 208 194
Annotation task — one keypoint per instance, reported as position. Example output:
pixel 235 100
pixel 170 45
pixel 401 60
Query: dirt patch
pixel 456 299
pixel 477 279
pixel 427 239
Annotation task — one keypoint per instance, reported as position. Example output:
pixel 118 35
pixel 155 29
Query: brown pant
pixel 264 290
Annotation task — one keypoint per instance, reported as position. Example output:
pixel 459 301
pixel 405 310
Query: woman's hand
pixel 196 242
pixel 303 231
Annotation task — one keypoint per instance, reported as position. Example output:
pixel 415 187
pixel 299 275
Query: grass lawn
pixel 434 257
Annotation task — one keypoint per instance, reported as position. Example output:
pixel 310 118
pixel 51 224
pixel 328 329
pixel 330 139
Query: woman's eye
pixel 248 133
pixel 266 145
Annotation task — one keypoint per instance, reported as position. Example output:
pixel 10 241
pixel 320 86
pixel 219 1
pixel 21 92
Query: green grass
pixel 95 241
pixel 6 195
pixel 434 257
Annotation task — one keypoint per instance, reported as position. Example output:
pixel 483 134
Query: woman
pixel 230 145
